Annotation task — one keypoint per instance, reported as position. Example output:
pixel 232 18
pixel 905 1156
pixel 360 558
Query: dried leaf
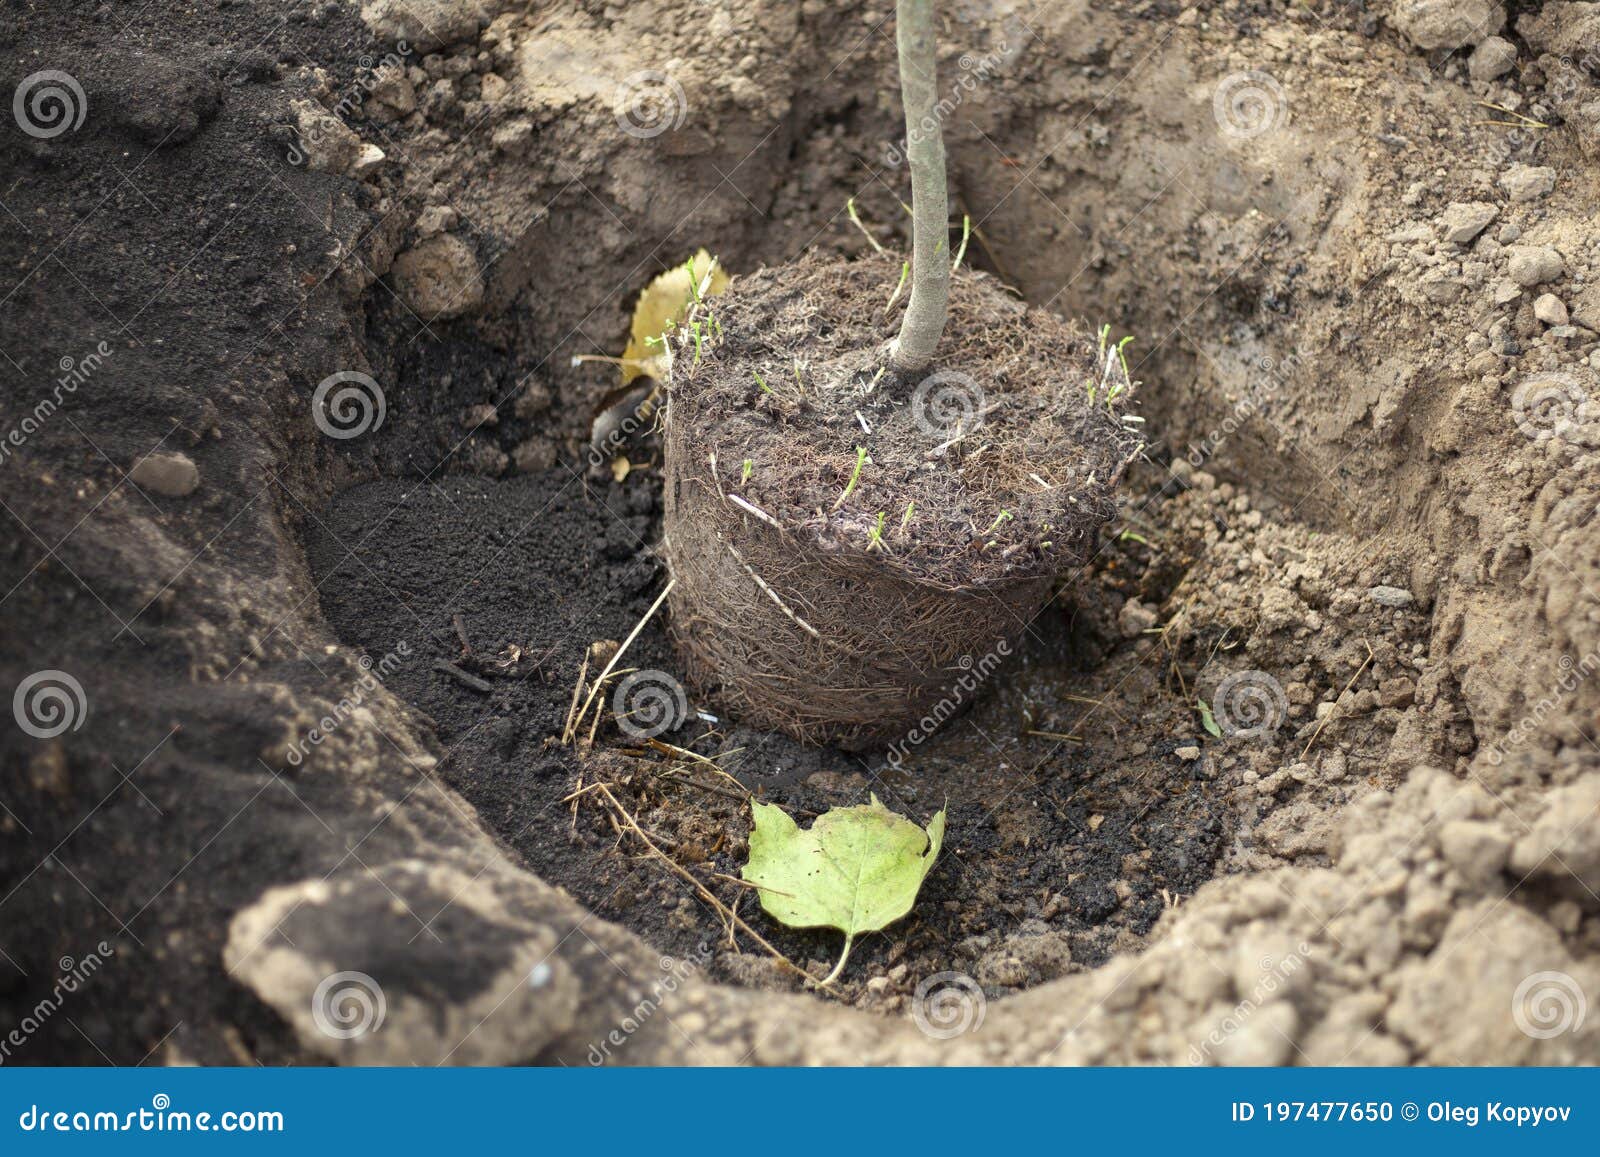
pixel 661 306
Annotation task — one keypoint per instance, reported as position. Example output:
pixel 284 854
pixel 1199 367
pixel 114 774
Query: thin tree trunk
pixel 923 324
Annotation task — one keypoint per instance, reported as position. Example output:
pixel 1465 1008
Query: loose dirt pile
pixel 1357 247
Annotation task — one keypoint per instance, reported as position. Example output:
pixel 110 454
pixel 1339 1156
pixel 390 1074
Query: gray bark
pixel 923 324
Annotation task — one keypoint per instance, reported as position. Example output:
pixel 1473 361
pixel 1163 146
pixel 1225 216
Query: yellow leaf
pixel 661 306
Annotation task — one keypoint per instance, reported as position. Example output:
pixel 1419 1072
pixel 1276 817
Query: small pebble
pixel 1492 59
pixel 1464 220
pixel 169 475
pixel 1549 309
pixel 1387 596
pixel 1527 182
pixel 1534 264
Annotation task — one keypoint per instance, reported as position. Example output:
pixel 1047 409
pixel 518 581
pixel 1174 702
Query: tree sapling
pixel 804 599
pixel 925 314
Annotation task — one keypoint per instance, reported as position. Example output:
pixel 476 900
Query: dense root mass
pixel 847 541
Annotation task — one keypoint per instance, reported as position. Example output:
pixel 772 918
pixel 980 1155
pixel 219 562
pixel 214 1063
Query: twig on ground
pixel 688 781
pixel 739 790
pixel 465 678
pixel 850 205
pixel 632 635
pixel 1328 718
pixel 689 878
pixel 577 692
pixel 751 508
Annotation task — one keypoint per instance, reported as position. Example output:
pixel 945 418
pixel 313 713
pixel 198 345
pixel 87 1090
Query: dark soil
pixel 1056 851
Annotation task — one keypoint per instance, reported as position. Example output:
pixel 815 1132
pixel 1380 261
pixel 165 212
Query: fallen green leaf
pixel 857 869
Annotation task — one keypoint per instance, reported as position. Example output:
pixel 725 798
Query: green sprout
pixel 1107 357
pixel 1117 387
pixel 1003 516
pixel 713 325
pixel 876 541
pixel 966 231
pixel 762 382
pixel 905 272
pixel 1100 359
pixel 855 476
pixel 744 476
pixel 905 519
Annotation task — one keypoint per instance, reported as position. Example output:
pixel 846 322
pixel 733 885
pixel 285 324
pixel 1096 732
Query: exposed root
pixel 723 910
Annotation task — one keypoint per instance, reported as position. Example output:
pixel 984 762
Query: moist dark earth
pixel 1054 849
